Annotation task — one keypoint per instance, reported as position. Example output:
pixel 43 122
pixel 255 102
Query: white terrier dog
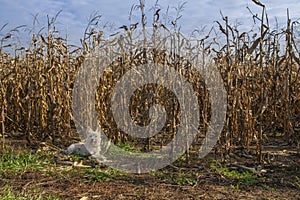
pixel 94 145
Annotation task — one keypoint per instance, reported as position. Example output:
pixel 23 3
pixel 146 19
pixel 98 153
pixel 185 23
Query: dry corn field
pixel 260 70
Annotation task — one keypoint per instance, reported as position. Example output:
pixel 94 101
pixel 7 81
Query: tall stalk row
pixel 260 71
pixel 261 75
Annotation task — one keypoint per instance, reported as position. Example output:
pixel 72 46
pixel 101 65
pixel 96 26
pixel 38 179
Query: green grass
pixel 128 147
pixel 12 161
pixel 96 174
pixel 177 178
pixel 184 179
pixel 244 178
pixel 296 183
pixel 8 194
pixel 77 157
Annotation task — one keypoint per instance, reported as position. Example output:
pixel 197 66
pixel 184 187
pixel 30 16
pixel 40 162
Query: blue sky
pixel 196 14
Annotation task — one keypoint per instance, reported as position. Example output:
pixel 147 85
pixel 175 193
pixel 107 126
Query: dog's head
pixel 93 138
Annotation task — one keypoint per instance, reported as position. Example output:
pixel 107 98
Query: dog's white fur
pixel 93 142
pixel 92 145
pixel 77 148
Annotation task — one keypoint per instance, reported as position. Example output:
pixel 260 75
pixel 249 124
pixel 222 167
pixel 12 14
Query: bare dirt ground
pixel 194 180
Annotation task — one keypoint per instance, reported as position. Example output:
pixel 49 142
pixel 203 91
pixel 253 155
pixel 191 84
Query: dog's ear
pixel 89 130
pixel 98 129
